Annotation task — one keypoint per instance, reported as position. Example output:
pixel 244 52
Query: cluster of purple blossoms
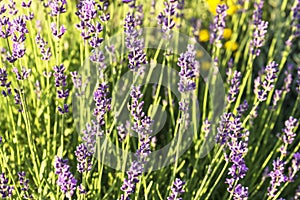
pixel 235 139
pixel 177 189
pixel 277 176
pixel 295 167
pixel 136 56
pixel 42 44
pixel 87 13
pixel 57 7
pixel 66 180
pixel 16 29
pixel 90 135
pixel 260 29
pixel 188 67
pixel 261 88
pixel 3 82
pixel 61 83
pixel 166 18
pixel 23 75
pixel 217 28
pixel 84 162
pixel 102 102
pixel 234 86
pixel 288 135
pixel 24 185
pixel 206 127
pixel 18 100
pixel 242 108
pixel 142 125
pixel 5 189
pixel 123 131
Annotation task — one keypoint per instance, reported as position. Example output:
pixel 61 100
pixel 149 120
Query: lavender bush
pixel 254 45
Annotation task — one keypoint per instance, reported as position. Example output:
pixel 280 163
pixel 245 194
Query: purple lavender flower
pixel 90 135
pixel 277 177
pixel 123 131
pixel 206 127
pixel 263 87
pixel 87 13
pixel 234 87
pixel 242 108
pixel 23 75
pixel 188 66
pixel 177 189
pixel 289 135
pixel 18 100
pixel 5 189
pixel 136 56
pixel 102 102
pixel 81 189
pixel 295 166
pixel 142 126
pixel 60 78
pixel 235 139
pixel 3 82
pixel 42 44
pixel 26 5
pixel 257 13
pixel 24 185
pixel 166 18
pixel 57 33
pixel 84 162
pixel 57 7
pixel 258 37
pixel 218 25
pixel 66 181
pixel 12 7
pixel 276 98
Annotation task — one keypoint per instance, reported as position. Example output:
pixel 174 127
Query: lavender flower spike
pixel 218 25
pixel 277 177
pixel 258 38
pixel 177 189
pixel 5 189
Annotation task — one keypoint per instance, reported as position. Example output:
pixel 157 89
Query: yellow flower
pixel 232 6
pixel 227 33
pixel 233 46
pixel 204 35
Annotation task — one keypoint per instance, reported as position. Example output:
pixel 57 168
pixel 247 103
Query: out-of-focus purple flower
pixel 177 190
pixel 295 167
pixel 295 24
pixel 23 75
pixel 24 185
pixel 218 25
pixel 6 190
pixel 257 13
pixel 57 7
pixel 90 135
pixel 81 189
pixel 3 82
pixel 66 181
pixel 234 87
pixel 242 108
pixel 102 102
pixel 64 109
pixel 42 44
pixel 12 7
pixel 263 87
pixel 166 18
pixel 18 100
pixel 206 127
pixel 123 131
pixel 136 56
pixel 84 162
pixel 26 5
pixel 277 177
pixel 258 37
pixel 57 33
